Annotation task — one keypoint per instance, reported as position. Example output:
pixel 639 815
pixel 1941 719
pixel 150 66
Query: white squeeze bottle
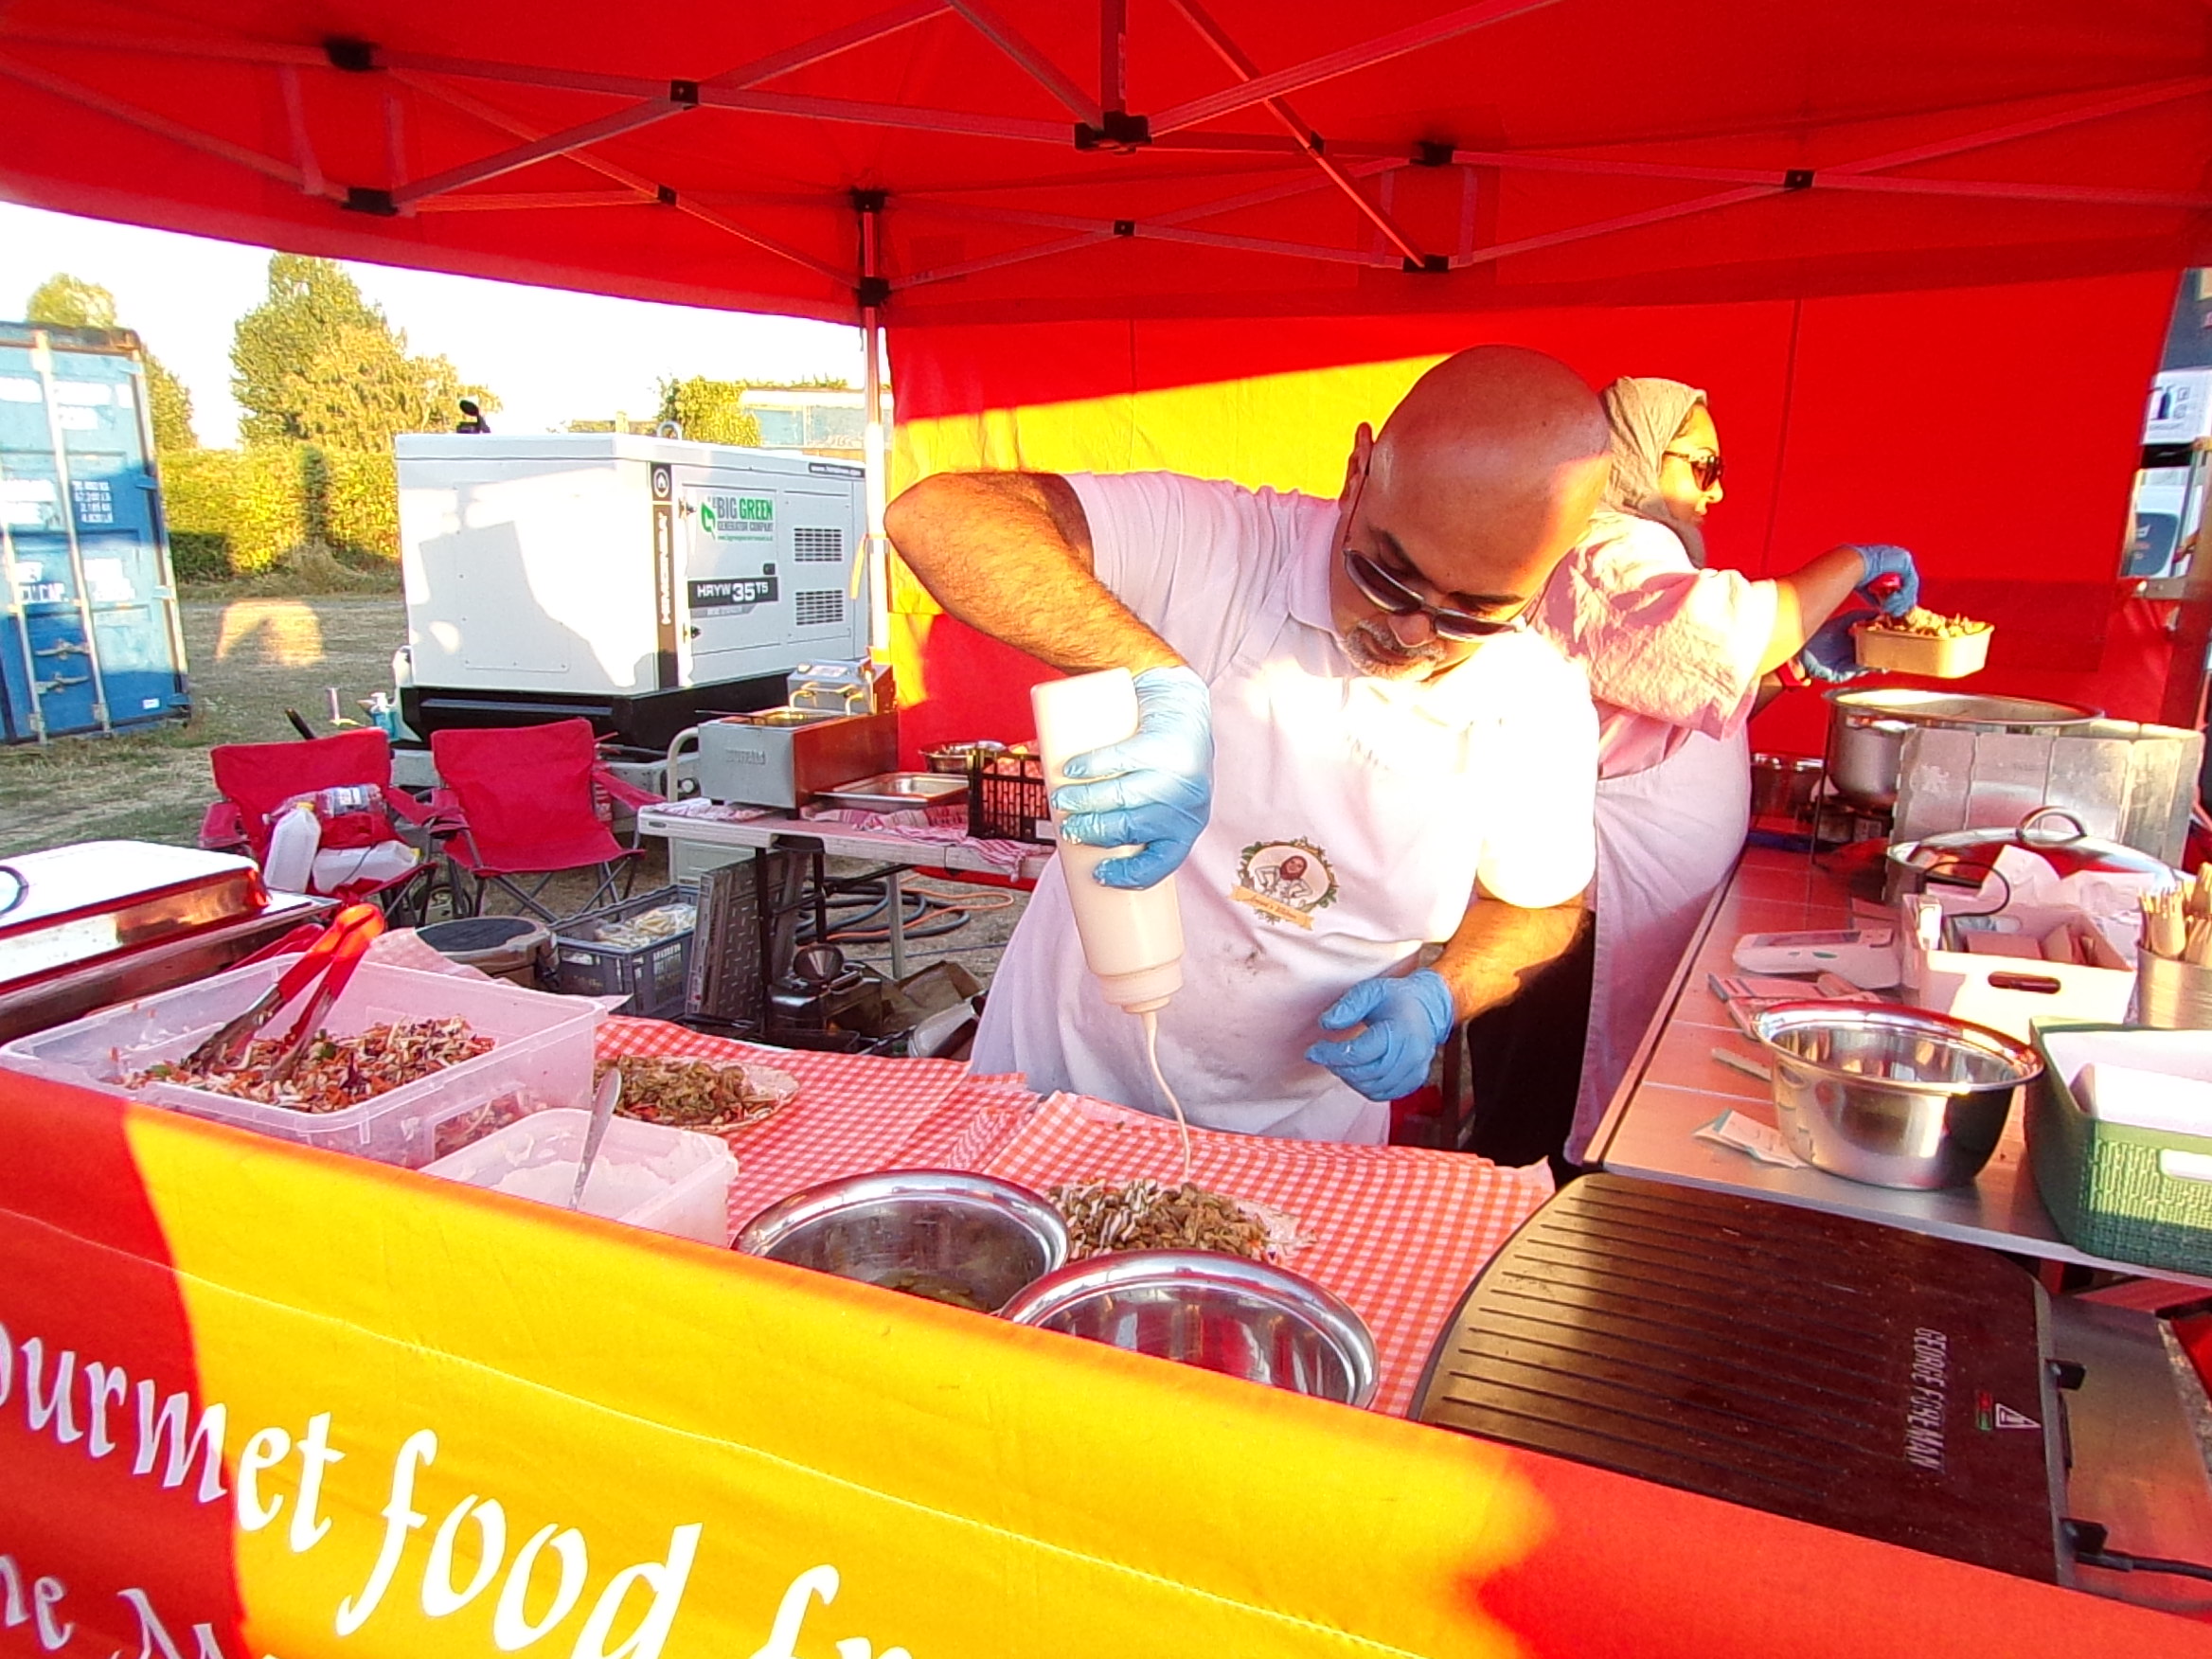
pixel 1132 938
pixel 291 848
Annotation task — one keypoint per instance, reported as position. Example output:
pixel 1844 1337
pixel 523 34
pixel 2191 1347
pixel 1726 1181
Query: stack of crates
pixel 654 974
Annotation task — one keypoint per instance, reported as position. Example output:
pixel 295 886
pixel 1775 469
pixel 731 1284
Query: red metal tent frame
pixel 937 165
pixel 945 160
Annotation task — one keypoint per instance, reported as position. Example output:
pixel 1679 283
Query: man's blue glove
pixel 1893 598
pixel 1154 789
pixel 1407 1019
pixel 1833 654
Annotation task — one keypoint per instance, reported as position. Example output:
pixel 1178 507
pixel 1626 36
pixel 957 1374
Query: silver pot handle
pixel 2027 827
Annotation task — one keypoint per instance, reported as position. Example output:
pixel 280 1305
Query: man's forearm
pixel 1010 554
pixel 1498 946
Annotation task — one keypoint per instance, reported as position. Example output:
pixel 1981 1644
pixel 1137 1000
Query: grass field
pixel 252 657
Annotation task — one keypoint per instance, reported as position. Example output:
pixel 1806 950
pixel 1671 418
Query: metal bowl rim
pixel 1283 1290
pixel 1894 703
pixel 826 1199
pixel 1963 1032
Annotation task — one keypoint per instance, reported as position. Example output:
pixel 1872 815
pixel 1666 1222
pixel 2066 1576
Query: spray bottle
pixel 1132 938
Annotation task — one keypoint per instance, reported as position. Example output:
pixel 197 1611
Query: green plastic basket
pixel 2104 1183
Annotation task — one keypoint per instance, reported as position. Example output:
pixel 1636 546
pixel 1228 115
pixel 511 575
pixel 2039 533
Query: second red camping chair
pixel 519 802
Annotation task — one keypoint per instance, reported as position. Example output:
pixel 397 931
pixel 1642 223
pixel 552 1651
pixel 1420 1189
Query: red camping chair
pixel 523 801
pixel 255 780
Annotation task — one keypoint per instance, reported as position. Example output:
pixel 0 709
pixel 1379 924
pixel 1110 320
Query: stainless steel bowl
pixel 1889 1096
pixel 1220 1312
pixel 946 1235
pixel 1867 731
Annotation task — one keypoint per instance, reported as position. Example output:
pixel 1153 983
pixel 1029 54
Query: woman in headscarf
pixel 1676 655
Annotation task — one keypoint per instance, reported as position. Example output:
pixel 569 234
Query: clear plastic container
pixel 673 1180
pixel 542 1057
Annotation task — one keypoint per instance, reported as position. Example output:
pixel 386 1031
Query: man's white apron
pixel 1347 827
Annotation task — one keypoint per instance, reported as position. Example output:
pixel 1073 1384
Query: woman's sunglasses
pixel 1386 593
pixel 1705 468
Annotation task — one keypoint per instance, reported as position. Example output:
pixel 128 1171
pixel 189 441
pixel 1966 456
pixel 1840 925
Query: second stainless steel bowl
pixel 945 1235
pixel 1221 1313
pixel 1889 1096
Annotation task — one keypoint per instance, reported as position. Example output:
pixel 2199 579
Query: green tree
pixel 169 401
pixel 710 411
pixel 62 301
pixel 317 363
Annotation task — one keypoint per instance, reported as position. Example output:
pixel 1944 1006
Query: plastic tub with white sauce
pixel 673 1180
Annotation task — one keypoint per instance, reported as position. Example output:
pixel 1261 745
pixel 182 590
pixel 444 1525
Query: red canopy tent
pixel 1155 159
pixel 1923 255
pixel 1920 256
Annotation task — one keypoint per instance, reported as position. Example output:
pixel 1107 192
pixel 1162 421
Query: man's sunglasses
pixel 1705 468
pixel 1386 593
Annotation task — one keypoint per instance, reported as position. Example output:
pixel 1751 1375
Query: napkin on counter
pixel 2167 1101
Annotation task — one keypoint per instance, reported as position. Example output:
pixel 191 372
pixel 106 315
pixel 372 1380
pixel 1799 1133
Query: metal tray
pixel 95 899
pixel 895 792
pixel 55 999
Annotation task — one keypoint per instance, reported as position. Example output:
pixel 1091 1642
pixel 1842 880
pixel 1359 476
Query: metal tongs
pixel 332 960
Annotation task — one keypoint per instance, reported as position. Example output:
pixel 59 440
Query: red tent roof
pixel 1048 160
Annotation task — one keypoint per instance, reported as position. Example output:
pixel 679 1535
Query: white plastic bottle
pixel 1133 939
pixel 291 848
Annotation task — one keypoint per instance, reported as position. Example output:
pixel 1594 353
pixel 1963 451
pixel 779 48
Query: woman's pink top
pixel 1669 648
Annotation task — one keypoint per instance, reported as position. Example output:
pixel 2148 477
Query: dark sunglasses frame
pixel 1705 468
pixel 1393 597
pixel 1388 593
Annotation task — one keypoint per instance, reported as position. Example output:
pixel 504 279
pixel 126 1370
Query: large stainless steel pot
pixel 1867 731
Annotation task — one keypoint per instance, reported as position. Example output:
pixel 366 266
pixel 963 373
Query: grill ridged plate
pixel 1765 1355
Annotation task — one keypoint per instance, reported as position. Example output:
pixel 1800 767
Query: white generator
pixel 641 582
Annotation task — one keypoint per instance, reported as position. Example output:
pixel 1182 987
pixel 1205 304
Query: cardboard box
pixel 2009 992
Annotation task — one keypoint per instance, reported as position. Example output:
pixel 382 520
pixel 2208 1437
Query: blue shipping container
pixel 89 639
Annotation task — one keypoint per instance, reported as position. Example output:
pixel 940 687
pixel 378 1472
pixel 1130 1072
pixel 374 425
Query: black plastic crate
pixel 654 976
pixel 1005 798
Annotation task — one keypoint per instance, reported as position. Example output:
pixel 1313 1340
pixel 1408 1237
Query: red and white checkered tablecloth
pixel 1398 1232
pixel 853 1113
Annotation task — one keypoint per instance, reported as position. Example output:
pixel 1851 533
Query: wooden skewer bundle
pixel 2177 923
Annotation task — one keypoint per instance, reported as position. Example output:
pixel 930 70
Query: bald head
pixel 1483 477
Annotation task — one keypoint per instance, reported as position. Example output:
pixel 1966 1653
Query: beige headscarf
pixel 1645 415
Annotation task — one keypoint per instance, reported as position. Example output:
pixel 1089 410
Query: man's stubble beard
pixel 1374 650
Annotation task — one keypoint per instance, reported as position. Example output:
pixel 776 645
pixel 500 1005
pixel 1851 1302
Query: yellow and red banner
pixel 257 1400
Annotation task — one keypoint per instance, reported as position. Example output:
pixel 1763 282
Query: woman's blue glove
pixel 1833 654
pixel 1880 559
pixel 1154 789
pixel 1407 1019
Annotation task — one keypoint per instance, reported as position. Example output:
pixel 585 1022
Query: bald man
pixel 1343 689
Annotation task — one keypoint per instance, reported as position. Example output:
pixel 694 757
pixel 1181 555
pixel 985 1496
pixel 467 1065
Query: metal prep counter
pixel 2135 1460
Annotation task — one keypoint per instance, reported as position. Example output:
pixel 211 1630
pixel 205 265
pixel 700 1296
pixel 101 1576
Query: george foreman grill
pixel 1854 1376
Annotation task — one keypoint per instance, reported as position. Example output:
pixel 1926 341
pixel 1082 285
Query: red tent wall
pixel 1992 430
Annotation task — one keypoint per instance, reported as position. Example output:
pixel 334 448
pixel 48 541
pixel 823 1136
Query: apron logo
pixel 1285 880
